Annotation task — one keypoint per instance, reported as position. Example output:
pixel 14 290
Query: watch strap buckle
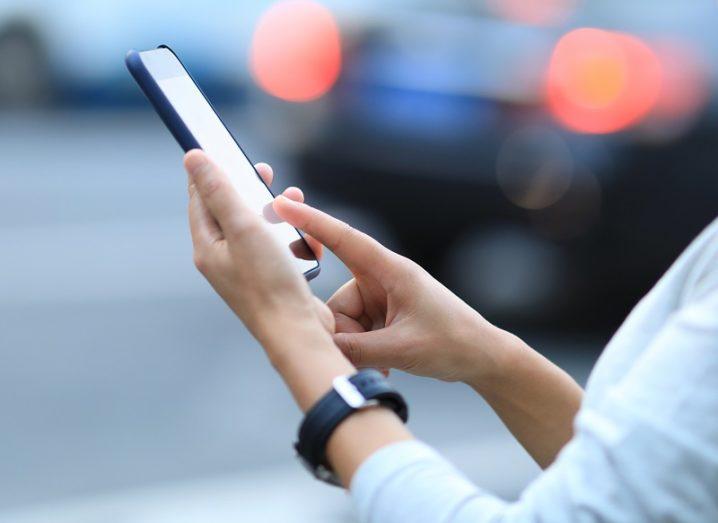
pixel 348 392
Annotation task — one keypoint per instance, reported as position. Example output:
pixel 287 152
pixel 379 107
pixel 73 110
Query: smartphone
pixel 195 124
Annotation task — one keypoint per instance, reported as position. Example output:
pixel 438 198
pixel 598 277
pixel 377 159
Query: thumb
pixel 378 348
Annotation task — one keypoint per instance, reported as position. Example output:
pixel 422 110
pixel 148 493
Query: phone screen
pixel 215 139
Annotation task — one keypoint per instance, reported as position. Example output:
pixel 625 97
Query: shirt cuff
pixel 409 479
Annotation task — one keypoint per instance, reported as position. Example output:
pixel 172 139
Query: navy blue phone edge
pixel 174 123
pixel 160 102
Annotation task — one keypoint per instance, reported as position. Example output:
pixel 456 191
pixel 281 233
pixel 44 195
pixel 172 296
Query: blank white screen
pixel 214 138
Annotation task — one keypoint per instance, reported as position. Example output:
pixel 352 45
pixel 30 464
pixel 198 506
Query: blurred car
pixel 72 52
pixel 438 124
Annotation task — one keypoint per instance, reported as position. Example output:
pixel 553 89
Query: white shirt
pixel 646 436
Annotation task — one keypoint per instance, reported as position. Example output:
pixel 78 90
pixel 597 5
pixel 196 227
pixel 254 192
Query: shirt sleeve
pixel 647 451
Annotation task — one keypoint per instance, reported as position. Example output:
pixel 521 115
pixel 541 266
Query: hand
pixel 235 251
pixel 393 314
pixel 255 275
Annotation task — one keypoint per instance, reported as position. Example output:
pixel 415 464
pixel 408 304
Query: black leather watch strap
pixel 347 395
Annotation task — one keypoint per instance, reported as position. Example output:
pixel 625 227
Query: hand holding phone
pixel 235 250
pixel 193 122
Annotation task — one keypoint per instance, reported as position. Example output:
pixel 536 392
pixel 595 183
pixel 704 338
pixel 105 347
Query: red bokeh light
pixel 533 12
pixel 296 51
pixel 602 81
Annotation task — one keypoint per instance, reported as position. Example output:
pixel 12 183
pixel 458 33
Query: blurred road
pixel 127 388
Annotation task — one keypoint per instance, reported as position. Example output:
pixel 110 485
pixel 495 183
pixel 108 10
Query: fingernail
pixel 287 201
pixel 293 188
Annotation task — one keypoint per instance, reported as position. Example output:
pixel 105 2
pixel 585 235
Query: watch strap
pixel 348 394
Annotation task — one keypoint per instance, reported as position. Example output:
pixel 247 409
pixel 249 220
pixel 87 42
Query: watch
pixel 348 394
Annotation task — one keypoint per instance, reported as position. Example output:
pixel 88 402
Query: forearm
pixel 308 361
pixel 535 399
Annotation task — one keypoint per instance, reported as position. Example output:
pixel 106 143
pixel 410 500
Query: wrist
pixel 349 398
pixel 307 359
pixel 488 354
pixel 283 337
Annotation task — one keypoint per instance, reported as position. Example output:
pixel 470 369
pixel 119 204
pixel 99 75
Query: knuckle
pixel 307 224
pixel 204 259
pixel 407 267
pixel 345 236
pixel 402 261
pixel 200 261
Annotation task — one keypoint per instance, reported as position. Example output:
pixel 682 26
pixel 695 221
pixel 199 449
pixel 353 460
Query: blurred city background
pixel 545 159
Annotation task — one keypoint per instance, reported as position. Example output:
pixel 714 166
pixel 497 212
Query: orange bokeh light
pixel 296 51
pixel 533 12
pixel 602 81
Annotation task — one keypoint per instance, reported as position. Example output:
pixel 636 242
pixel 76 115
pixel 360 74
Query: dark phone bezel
pixel 177 127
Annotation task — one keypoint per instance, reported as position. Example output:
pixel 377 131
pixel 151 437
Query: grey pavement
pixel 128 391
